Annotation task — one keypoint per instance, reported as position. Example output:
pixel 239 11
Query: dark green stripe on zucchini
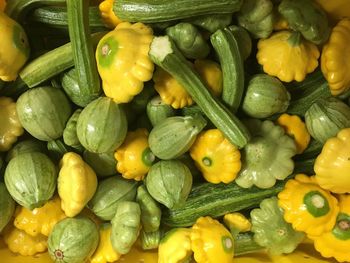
pixel 151 11
pixel 83 52
pixel 164 53
pixel 216 200
pixel 227 49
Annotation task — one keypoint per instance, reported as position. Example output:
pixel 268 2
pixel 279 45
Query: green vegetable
pixel 70 136
pixel 211 22
pixel 267 157
pixel 326 117
pixel 7 206
pixel 26 146
pixel 43 112
pixel 152 11
pixel 265 96
pixel 244 244
pixel 164 53
pixel 104 164
pixel 110 192
pixel 150 240
pixel 243 39
pixel 150 210
pixel 30 178
pixel 216 200
pixel 271 230
pixel 314 148
pixel 169 183
pixel 175 135
pixel 57 148
pixel 125 226
pixel 102 126
pixel 308 18
pixel 227 49
pixel 188 40
pixel 257 17
pixel 73 240
pixel 157 110
pixel 140 101
pixel 82 48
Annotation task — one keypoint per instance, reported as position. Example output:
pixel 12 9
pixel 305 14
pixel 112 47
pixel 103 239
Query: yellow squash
pixel 2 5
pixel 123 62
pixel 134 158
pixel 335 58
pixel 76 184
pixel 40 221
pixel 287 56
pixel 307 206
pixel 20 242
pixel 172 93
pixel 14 48
pixel 10 127
pixel 108 16
pixel 332 165
pixel 217 159
pixel 296 128
pixel 211 241
pixel 105 252
pixel 336 242
pixel 175 247
pixel 238 222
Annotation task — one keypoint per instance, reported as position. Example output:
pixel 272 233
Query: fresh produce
pixel 76 183
pixel 107 14
pixel 334 55
pixel 169 182
pixel 308 207
pixel 73 240
pixel 70 136
pixel 271 231
pixel 40 221
pixel 237 223
pixel 212 22
pixel 150 240
pixel 125 226
pixel 7 206
pixel 14 48
pixel 286 55
pixel 216 158
pixel 332 164
pixel 30 179
pixel 267 157
pixel 25 146
pixel 104 164
pixel 11 127
pixel 134 157
pixel 157 110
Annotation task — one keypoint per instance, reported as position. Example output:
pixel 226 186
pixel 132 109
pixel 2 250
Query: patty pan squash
pixel 123 62
pixel 286 55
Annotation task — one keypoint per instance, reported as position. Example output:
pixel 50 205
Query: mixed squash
pixel 201 129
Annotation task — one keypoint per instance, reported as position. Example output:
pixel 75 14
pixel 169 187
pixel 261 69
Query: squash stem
pixel 245 244
pixel 295 39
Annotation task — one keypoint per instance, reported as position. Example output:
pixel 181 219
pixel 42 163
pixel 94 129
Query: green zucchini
pixel 48 65
pixel 82 48
pixel 18 9
pixel 228 51
pixel 56 16
pixel 152 11
pixel 164 53
pixel 216 200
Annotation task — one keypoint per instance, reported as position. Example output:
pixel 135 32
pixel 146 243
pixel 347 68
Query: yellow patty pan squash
pixel 40 221
pixel 237 223
pixel 296 128
pixel 217 158
pixel 10 127
pixel 336 242
pixel 134 158
pixel 108 16
pixel 211 241
pixel 335 58
pixel 307 206
pixel 20 242
pixel 175 246
pixel 76 184
pixel 332 165
pixel 123 62
pixel 14 48
pixel 287 56
pixel 105 252
pixel 172 93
